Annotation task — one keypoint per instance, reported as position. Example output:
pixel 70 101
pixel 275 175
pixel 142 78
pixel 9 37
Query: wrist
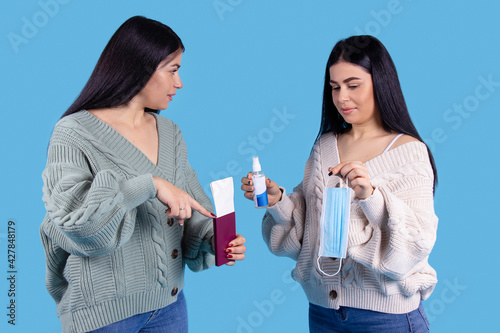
pixel 156 181
pixel 370 193
pixel 279 198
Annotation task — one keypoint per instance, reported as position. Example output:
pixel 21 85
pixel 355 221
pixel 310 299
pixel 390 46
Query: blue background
pixel 253 73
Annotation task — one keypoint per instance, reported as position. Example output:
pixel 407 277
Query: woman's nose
pixel 178 83
pixel 343 95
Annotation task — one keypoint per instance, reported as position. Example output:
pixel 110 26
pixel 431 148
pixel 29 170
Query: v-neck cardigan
pixel 390 237
pixel 111 251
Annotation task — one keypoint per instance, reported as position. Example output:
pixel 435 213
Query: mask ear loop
pixel 346 182
pixel 319 268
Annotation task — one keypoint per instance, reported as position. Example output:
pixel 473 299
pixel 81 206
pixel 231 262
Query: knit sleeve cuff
pixel 197 251
pixel 198 239
pixel 374 207
pixel 206 245
pixel 283 209
pixel 137 190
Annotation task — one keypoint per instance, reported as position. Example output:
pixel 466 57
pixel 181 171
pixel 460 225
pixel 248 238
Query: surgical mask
pixel 334 224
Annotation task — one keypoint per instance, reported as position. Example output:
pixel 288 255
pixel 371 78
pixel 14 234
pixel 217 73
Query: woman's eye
pixel 335 88
pixel 353 87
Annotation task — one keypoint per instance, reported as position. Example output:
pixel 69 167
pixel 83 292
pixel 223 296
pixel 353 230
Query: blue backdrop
pixel 253 74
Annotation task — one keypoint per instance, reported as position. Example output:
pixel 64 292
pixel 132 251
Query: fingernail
pixel 248 183
pixel 330 173
pixel 229 256
pixel 213 215
pixel 228 250
pixel 230 245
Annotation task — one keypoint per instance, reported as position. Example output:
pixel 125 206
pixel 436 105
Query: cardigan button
pixel 333 294
pixel 174 291
pixel 170 221
pixel 175 253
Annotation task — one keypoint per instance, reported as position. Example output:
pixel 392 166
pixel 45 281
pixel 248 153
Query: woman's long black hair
pixel 127 63
pixel 369 53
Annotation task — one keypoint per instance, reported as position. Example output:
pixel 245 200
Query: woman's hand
pixel 235 250
pixel 357 174
pixel 179 202
pixel 273 191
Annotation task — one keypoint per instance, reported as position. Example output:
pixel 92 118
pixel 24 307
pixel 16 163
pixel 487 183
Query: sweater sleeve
pixel 283 224
pixel 402 224
pixel 89 215
pixel 198 230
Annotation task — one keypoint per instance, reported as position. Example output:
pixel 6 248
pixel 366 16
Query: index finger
pixel 246 180
pixel 345 167
pixel 336 170
pixel 199 208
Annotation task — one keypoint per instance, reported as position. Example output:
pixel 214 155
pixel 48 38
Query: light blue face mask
pixel 334 224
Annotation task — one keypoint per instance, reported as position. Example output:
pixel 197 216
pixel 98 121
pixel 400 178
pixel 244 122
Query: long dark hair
pixel 368 52
pixel 127 63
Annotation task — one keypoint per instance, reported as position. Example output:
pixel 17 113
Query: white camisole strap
pixel 392 142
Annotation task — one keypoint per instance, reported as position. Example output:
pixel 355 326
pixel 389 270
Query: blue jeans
pixel 171 319
pixel 352 320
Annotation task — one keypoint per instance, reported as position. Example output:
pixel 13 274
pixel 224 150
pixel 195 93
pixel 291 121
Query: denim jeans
pixel 171 319
pixel 352 320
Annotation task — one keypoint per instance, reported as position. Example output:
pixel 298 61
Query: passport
pixel 224 232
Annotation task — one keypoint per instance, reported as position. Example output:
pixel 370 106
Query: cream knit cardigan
pixel 391 233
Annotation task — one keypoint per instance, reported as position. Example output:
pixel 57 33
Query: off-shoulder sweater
pixel 111 251
pixel 391 233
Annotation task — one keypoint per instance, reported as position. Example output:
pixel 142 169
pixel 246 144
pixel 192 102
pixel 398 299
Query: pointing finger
pixel 196 206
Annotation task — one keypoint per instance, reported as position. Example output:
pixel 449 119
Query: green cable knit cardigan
pixel 111 251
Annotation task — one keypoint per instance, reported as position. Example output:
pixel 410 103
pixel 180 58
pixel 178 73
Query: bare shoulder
pixel 403 139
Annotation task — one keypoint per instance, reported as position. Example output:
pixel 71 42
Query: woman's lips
pixel 347 110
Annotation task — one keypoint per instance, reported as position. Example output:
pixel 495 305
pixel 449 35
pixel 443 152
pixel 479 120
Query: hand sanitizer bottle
pixel 259 185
